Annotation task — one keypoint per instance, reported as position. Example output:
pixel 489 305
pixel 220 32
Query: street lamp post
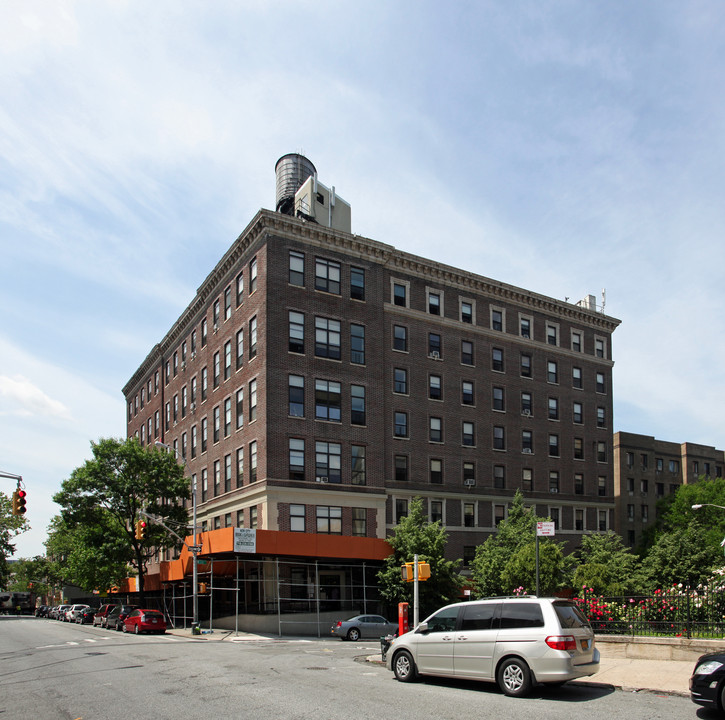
pixel 699 505
pixel 194 547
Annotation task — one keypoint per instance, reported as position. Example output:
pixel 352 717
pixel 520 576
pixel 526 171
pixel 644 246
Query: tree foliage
pixel 10 526
pixel 416 535
pixel 101 501
pixel 606 566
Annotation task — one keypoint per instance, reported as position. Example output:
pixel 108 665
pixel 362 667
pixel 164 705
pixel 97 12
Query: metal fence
pixel 676 612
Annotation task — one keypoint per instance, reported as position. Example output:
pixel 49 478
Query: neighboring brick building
pixel 320 380
pixel 647 469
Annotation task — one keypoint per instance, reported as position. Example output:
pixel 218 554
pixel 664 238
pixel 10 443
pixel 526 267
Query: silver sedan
pixel 371 626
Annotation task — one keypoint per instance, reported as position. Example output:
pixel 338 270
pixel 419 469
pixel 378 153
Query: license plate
pixel 585 644
pixel 154 620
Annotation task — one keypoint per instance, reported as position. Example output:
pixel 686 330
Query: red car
pixel 140 620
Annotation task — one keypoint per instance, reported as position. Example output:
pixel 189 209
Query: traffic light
pixel 406 571
pixel 140 529
pixel 203 589
pixel 423 571
pixel 19 502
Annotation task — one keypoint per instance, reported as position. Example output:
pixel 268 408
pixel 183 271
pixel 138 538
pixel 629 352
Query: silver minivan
pixel 515 642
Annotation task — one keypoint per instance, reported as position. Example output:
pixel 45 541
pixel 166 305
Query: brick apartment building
pixel 647 469
pixel 320 380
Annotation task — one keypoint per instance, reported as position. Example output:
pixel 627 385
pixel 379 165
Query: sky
pixel 569 147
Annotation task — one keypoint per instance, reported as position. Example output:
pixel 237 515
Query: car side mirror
pixel 422 627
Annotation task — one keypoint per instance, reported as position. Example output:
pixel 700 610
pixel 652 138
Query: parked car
pixel 140 620
pixel 102 614
pixel 42 611
pixel 85 616
pixel 514 642
pixel 370 626
pixel 60 612
pixel 72 612
pixel 707 684
pixel 118 615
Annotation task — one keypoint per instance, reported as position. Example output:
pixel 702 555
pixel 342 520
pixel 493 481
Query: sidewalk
pixel 627 674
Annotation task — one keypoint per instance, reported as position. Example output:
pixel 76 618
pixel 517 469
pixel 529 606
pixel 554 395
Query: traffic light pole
pixel 415 591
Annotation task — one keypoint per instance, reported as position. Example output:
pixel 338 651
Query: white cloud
pixel 18 396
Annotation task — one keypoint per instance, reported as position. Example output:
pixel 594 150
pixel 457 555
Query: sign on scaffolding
pixel 245 540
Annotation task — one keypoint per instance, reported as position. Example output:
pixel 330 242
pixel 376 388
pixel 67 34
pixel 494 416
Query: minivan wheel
pixel 514 677
pixel 404 667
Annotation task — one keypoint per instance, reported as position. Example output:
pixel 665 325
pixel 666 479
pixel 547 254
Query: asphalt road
pixel 58 671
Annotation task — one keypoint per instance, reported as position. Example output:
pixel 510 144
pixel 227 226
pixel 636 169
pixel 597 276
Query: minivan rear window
pixel 521 615
pixel 570 616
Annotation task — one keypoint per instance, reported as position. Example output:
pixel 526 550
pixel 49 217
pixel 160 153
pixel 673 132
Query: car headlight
pixel 708 667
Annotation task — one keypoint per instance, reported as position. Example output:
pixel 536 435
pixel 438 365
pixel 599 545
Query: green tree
pixel 101 501
pixel 607 566
pixel 10 526
pixel 33 574
pixel 415 534
pixel 520 569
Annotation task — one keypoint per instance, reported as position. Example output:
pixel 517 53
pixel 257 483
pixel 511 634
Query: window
pixel 359 522
pixel 216 312
pixel 400 294
pixel 401 425
pixel 227 473
pixel 498 399
pixel 469 555
pixel 400 338
pixel 499 513
pixel 527 441
pixel 469 474
pixel 601 451
pixel 253 461
pixel 526 404
pixel 296 391
pixel 602 516
pixel 252 275
pixel 497 319
pixel 357 465
pixel 296 332
pixel 204 434
pixel 227 417
pixel 297 518
pixel 499 438
pixel 525 365
pixel 252 400
pixel 674 466
pixel 327 400
pixel 497 360
pixel 466 309
pixel 357 283
pixel 253 517
pixel 436 470
pixel 578 484
pixel 553 408
pixel 600 349
pixel 436 511
pixel 167 418
pixel 553 481
pixel 357 405
pixel 434 303
pixel 525 327
pixel 327 338
pixel 601 486
pixel 576 341
pixel 217 477
pixel 217 370
pixel 468 434
pixel 227 360
pixel 400 381
pixel 552 372
pixel 644 458
pixel 296 459
pixel 434 387
pixel 555 514
pixel 296 268
pixel 527 479
pixel 183 402
pixel 328 461
pixel 578 413
pixel 576 378
pixel 553 445
pixel 601 386
pixel 217 423
pixel 435 429
pixel 467 397
pixel 466 352
pixel 204 484
pixel 401 509
pixel 357 344
pixel 499 476
pixel 578 448
pixel 401 468
pixel 228 303
pixel 434 346
pixel 552 334
pixel 204 333
pixel 240 288
pixel 630 459
pixel 240 467
pixel 240 348
pixel 644 487
pixel 253 337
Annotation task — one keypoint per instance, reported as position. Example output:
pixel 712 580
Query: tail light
pixel 561 642
pixel 339 623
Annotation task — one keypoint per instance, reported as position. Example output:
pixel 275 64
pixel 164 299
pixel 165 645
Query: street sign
pixel 545 529
pixel 195 548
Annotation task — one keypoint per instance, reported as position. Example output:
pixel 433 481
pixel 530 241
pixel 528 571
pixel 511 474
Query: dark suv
pixel 118 615
pixel 101 616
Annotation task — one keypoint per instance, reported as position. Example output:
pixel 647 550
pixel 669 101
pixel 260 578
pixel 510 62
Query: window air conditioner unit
pixel 193 355
pixel 183 365
pixel 193 406
pixel 553 490
pixel 527 451
pixel 526 413
pixel 469 482
pixel 435 355
pixel 216 327
pixel 321 479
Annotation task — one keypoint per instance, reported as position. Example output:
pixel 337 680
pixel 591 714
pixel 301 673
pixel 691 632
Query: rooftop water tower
pixel 291 171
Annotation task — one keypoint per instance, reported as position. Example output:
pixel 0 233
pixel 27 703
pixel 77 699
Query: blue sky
pixel 561 146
